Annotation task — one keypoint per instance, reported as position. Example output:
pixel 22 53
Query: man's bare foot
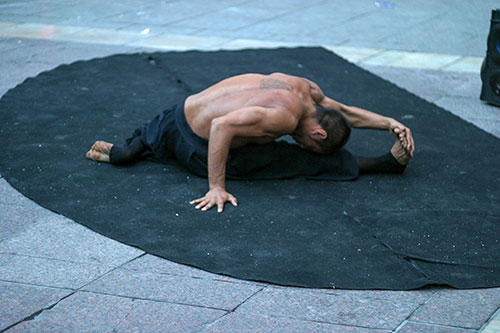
pixel 400 153
pixel 100 151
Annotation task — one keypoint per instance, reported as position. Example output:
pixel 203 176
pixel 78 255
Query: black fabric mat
pixel 436 224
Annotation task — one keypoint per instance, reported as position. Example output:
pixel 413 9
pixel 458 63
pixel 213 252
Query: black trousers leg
pixel 129 153
pixel 382 164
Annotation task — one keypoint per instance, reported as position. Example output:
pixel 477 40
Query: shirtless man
pixel 255 109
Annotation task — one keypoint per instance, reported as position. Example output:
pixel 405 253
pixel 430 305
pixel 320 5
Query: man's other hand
pixel 404 134
pixel 216 196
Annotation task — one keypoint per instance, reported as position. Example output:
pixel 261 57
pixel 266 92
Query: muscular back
pixel 293 94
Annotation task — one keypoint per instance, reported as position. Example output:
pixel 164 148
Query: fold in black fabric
pixel 435 224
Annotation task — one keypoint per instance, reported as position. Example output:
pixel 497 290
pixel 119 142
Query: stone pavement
pixel 56 275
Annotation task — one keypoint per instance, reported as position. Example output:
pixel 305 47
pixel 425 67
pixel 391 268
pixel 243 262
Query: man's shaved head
pixel 336 126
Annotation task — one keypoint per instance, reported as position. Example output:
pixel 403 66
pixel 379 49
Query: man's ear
pixel 320 133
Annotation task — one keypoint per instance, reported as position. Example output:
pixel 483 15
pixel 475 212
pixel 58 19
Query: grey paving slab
pixel 329 308
pixel 93 9
pixel 431 82
pixel 10 196
pixel 19 301
pixel 475 111
pixel 442 35
pixel 15 219
pixel 373 28
pixel 14 72
pixel 230 18
pixel 57 237
pixel 162 29
pixel 290 5
pixel 460 308
pixel 69 52
pixel 175 289
pixel 48 272
pixel 153 264
pixel 7 44
pixel 419 296
pixel 168 12
pixel 304 22
pixel 33 8
pixel 493 325
pixel 411 327
pixel 88 312
pixel 242 322
pixel 468 108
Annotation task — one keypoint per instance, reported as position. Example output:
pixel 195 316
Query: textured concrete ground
pixel 56 275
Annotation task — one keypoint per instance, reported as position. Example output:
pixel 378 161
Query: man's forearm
pixel 218 150
pixel 358 117
pixel 361 118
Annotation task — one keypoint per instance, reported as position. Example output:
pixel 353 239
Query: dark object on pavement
pixel 436 224
pixel 490 70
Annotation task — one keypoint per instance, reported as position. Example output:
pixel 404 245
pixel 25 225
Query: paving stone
pixel 230 18
pixel 493 325
pixel 7 44
pixel 329 308
pixel 19 301
pixel 459 308
pixel 175 289
pixel 57 237
pixel 17 212
pixel 161 29
pixel 167 12
pixel 88 312
pixel 354 54
pixel 468 108
pixel 48 272
pixel 153 264
pixel 24 49
pixel 466 64
pixel 242 322
pixel 411 327
pixel 10 196
pixel 13 73
pixel 488 125
pixel 177 42
pixel 419 296
pixel 419 81
pixel 69 52
pixel 15 219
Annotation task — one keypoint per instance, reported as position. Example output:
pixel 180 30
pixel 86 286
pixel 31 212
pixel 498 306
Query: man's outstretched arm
pixel 245 123
pixel 361 118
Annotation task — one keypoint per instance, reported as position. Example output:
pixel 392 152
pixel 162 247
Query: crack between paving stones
pixel 64 260
pixel 490 319
pixel 207 326
pixel 441 325
pixel 416 309
pixel 35 285
pixel 37 313
pixel 152 300
pixel 33 316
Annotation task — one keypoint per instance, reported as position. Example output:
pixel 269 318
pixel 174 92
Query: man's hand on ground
pixel 404 134
pixel 216 196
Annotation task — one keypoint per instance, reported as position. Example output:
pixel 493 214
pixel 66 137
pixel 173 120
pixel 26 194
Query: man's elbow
pixel 220 126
